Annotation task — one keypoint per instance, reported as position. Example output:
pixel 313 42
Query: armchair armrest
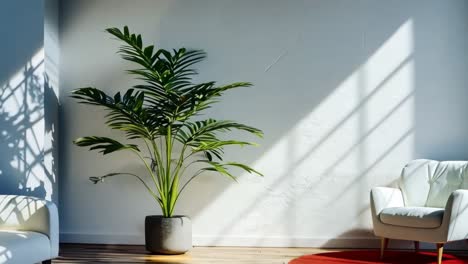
pixel 456 215
pixel 384 197
pixel 24 213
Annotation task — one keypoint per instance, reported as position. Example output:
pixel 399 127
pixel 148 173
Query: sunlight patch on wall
pixel 22 131
pixel 358 137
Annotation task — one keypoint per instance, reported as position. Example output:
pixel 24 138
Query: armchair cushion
pixel 418 217
pixel 384 197
pixel 23 247
pixel 24 223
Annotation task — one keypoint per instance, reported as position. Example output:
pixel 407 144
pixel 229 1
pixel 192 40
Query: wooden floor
pixel 80 253
pixel 87 253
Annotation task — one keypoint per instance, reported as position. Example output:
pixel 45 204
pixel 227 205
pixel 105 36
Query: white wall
pixel 346 92
pixel 28 98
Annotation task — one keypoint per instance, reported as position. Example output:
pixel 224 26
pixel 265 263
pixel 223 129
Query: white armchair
pixel 430 205
pixel 28 230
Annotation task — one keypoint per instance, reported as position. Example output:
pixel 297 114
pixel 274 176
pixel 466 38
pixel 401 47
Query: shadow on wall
pixel 342 104
pixel 27 126
pixel 23 30
pixel 376 109
pixel 336 171
pixel 23 131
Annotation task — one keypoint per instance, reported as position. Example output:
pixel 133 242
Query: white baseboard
pixel 246 241
pixel 236 241
pixel 124 239
pixel 275 241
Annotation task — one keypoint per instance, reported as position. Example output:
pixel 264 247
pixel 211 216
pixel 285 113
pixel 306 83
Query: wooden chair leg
pixel 383 246
pixel 440 252
pixel 416 246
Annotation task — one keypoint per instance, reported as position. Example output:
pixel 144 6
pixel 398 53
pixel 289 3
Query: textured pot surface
pixel 168 235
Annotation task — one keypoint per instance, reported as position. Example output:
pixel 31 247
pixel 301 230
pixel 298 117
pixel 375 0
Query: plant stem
pixel 159 163
pixel 149 150
pixel 168 169
pixel 175 180
pixel 150 171
pixel 161 178
pixel 185 185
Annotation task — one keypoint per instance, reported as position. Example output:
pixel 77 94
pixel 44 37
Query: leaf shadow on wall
pixel 23 131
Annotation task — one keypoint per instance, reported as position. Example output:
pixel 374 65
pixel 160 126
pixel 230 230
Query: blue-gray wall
pixel 28 98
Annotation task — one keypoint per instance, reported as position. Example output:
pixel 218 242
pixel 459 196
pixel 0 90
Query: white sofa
pixel 28 230
pixel 430 205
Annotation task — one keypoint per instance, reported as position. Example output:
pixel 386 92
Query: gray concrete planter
pixel 165 235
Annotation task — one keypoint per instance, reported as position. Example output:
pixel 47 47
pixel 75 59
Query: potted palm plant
pixel 157 118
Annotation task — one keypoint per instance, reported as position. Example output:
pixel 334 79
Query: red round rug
pixel 373 256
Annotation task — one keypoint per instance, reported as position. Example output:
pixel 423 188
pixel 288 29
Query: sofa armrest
pixel 26 213
pixel 456 215
pixel 384 197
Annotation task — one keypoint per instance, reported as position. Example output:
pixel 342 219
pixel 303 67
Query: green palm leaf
pixel 204 130
pixel 126 113
pixel 104 144
pixel 222 168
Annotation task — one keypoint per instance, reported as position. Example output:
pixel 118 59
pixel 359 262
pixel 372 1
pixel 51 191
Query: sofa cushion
pixel 419 217
pixel 23 247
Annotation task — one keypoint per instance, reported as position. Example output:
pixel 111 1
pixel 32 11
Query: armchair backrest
pixel 429 183
pixel 24 213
